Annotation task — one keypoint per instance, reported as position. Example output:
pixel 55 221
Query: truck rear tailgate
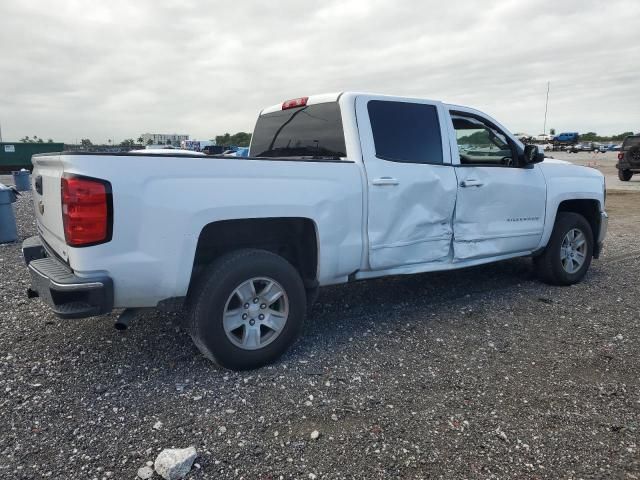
pixel 46 177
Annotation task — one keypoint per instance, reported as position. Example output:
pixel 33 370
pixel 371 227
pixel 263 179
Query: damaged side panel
pixel 504 213
pixel 411 184
pixel 412 224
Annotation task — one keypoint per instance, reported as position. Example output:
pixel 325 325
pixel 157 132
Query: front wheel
pixel 567 257
pixel 248 309
pixel 625 175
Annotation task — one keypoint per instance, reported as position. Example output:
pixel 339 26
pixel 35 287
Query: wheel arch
pixel 589 208
pixel 293 238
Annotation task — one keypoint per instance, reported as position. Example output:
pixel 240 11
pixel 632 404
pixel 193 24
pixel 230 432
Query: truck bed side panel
pixel 161 204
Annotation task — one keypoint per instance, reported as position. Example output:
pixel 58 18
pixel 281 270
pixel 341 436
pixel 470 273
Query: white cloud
pixel 77 69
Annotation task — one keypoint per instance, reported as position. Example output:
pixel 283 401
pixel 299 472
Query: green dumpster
pixel 16 155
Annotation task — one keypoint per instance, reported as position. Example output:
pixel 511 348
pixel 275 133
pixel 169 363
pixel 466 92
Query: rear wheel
pixel 567 257
pixel 625 175
pixel 248 309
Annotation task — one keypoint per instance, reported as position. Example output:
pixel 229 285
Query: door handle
pixel 471 183
pixel 385 181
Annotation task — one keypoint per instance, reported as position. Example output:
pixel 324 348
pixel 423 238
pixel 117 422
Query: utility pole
pixel 546 106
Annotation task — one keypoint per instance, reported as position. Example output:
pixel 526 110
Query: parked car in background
pixel 629 158
pixel 543 138
pixel 547 147
pixel 523 137
pixel 567 137
pixel 572 148
pixel 565 140
pixel 166 151
pixel 242 152
pixel 336 188
pixel 581 147
pixel 237 152
pixel 161 147
pixel 196 145
pixel 213 149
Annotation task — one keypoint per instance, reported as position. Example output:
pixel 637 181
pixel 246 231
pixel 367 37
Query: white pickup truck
pixel 336 188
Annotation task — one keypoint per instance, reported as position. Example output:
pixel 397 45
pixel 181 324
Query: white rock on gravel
pixel 145 472
pixel 501 435
pixel 175 463
pixel 314 435
pixel 158 425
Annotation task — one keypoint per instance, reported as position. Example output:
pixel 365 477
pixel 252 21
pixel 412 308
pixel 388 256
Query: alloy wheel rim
pixel 255 313
pixel 573 250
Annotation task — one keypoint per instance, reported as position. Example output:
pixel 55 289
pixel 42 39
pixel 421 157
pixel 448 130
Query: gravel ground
pixel 481 373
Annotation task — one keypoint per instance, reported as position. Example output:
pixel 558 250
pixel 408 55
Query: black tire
pixel 549 264
pixel 214 289
pixel 625 175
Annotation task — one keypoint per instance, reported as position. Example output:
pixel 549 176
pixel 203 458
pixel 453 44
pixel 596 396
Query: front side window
pixel 479 143
pixel 406 132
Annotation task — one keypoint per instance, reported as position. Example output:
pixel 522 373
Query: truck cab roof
pixel 335 96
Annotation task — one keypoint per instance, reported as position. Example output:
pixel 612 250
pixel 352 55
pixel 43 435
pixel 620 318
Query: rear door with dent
pixel 411 183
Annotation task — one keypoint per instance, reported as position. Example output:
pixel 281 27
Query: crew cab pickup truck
pixel 336 188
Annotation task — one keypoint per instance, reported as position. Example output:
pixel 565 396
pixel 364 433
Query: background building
pixel 163 138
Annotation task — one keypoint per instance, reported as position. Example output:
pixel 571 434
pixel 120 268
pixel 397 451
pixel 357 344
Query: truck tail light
pixel 620 155
pixel 87 210
pixel 295 103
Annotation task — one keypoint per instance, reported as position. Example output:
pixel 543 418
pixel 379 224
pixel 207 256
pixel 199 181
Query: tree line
pixel 594 137
pixel 240 139
pixel 35 139
pixel 243 139
pixel 482 138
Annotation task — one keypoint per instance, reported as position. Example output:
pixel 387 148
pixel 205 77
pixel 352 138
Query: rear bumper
pixel 626 165
pixel 68 295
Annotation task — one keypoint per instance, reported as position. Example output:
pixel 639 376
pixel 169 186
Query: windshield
pixel 313 131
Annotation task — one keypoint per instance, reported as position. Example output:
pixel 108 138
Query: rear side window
pixel 314 131
pixel 406 132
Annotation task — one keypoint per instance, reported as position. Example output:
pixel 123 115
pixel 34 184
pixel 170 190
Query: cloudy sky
pixel 72 69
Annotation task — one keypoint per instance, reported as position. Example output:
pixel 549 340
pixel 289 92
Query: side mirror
pixel 532 155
